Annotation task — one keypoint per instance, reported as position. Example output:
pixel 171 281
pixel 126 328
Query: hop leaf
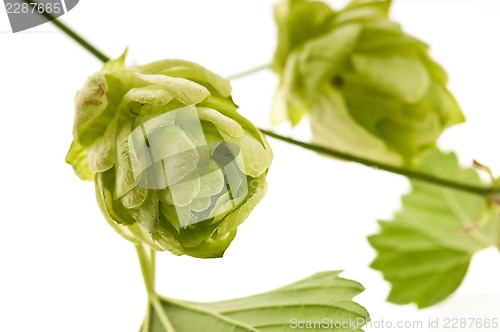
pixel 368 87
pixel 425 251
pixel 175 165
pixel 322 301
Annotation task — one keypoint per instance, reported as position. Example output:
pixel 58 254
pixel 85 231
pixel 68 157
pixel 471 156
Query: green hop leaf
pixel 425 251
pixel 322 296
pixel 368 87
pixel 175 165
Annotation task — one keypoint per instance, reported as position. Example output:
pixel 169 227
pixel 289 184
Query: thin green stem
pixel 72 34
pixel 147 262
pixel 146 269
pixel 162 314
pixel 147 320
pixel 478 190
pixel 79 40
pixel 489 192
pixel 152 258
pixel 248 72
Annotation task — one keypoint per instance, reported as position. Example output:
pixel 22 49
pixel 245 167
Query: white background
pixel 62 268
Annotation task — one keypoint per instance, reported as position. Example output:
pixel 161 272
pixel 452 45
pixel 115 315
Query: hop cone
pixel 175 166
pixel 368 87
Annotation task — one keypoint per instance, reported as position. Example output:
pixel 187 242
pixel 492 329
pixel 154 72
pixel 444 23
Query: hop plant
pixel 175 166
pixel 368 87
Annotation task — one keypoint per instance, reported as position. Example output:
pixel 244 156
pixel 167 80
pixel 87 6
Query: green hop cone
pixel 368 87
pixel 175 166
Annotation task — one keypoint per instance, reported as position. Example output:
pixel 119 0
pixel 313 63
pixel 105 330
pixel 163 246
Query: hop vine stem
pixel 249 72
pixel 147 262
pixel 490 192
pixel 70 32
pixel 478 190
